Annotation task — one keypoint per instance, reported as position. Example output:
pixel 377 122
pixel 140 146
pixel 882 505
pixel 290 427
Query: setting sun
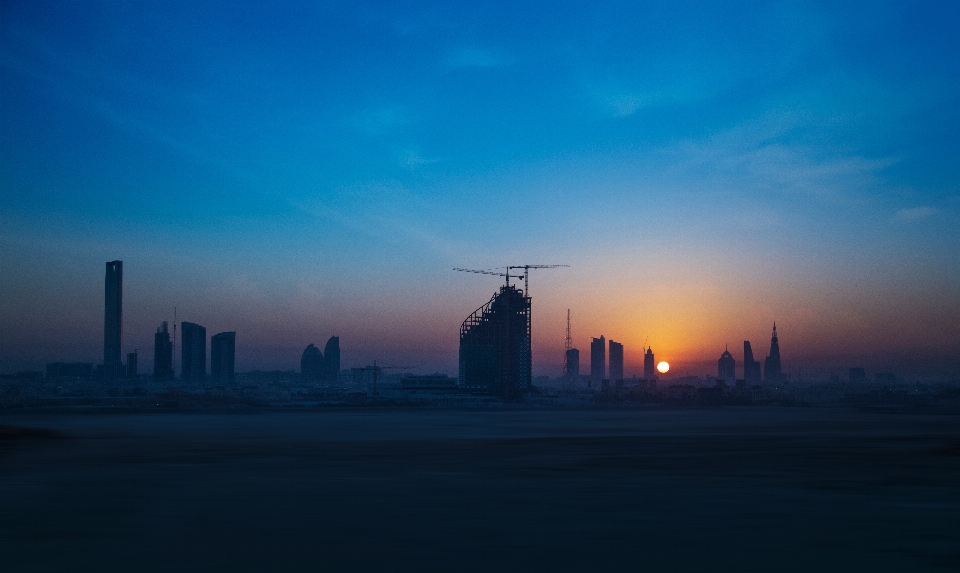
pixel 663 367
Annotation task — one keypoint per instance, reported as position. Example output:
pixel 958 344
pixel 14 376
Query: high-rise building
pixel 311 364
pixel 727 367
pixel 858 374
pixel 598 359
pixel 223 348
pixel 649 365
pixel 331 360
pixel 573 364
pixel 751 367
pixel 193 352
pixel 616 361
pixel 495 345
pixel 162 354
pixel 112 320
pixel 131 368
pixel 771 366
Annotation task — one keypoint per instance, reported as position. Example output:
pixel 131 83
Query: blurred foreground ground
pixel 787 489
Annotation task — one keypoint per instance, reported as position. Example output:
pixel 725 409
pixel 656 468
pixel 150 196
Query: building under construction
pixel 495 345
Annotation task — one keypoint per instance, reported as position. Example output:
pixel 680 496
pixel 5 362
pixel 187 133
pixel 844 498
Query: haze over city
pixel 255 312
pixel 293 174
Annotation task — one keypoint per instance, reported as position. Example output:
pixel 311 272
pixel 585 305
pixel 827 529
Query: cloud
pixel 623 105
pixel 765 156
pixel 413 159
pixel 915 213
pixel 476 58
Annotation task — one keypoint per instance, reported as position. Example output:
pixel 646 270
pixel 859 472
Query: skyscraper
pixel 311 364
pixel 131 370
pixel 222 355
pixel 112 320
pixel 495 345
pixel 162 354
pixel 598 358
pixel 193 352
pixel 727 367
pixel 616 361
pixel 771 366
pixel 751 367
pixel 331 360
pixel 649 365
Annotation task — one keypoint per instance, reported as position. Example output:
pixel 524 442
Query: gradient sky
pixel 299 171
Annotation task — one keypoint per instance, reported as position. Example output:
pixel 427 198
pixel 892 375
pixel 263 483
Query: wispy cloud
pixel 413 159
pixel 764 155
pixel 915 213
pixel 390 213
pixel 624 104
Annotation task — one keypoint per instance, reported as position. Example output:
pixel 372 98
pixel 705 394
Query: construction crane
pixel 526 273
pixel 506 274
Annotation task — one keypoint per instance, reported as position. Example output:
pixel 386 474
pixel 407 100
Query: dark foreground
pixel 749 490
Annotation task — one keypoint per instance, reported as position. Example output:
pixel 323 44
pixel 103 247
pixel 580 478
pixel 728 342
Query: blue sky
pixel 296 171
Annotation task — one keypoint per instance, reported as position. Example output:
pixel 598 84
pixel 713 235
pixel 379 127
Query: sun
pixel 663 367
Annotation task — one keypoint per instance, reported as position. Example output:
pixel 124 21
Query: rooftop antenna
pixel 173 359
pixel 568 345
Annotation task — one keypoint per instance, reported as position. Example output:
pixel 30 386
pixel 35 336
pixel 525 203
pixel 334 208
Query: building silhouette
pixel 112 320
pixel 495 345
pixel 323 366
pixel 331 360
pixel 223 349
pixel 751 367
pixel 193 352
pixel 311 363
pixel 649 365
pixel 771 366
pixel 727 367
pixel 573 363
pixel 130 370
pixel 162 354
pixel 598 358
pixel 616 361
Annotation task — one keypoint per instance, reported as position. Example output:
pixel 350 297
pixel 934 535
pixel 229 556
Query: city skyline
pixel 194 345
pixel 285 174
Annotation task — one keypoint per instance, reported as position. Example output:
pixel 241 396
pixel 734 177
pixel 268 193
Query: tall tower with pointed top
pixel 112 320
pixel 727 367
pixel 649 365
pixel 771 366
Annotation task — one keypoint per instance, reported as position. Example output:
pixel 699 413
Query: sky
pixel 301 170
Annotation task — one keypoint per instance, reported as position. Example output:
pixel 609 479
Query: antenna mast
pixel 173 359
pixel 567 347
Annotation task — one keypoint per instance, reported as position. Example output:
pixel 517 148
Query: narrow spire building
pixel 771 366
